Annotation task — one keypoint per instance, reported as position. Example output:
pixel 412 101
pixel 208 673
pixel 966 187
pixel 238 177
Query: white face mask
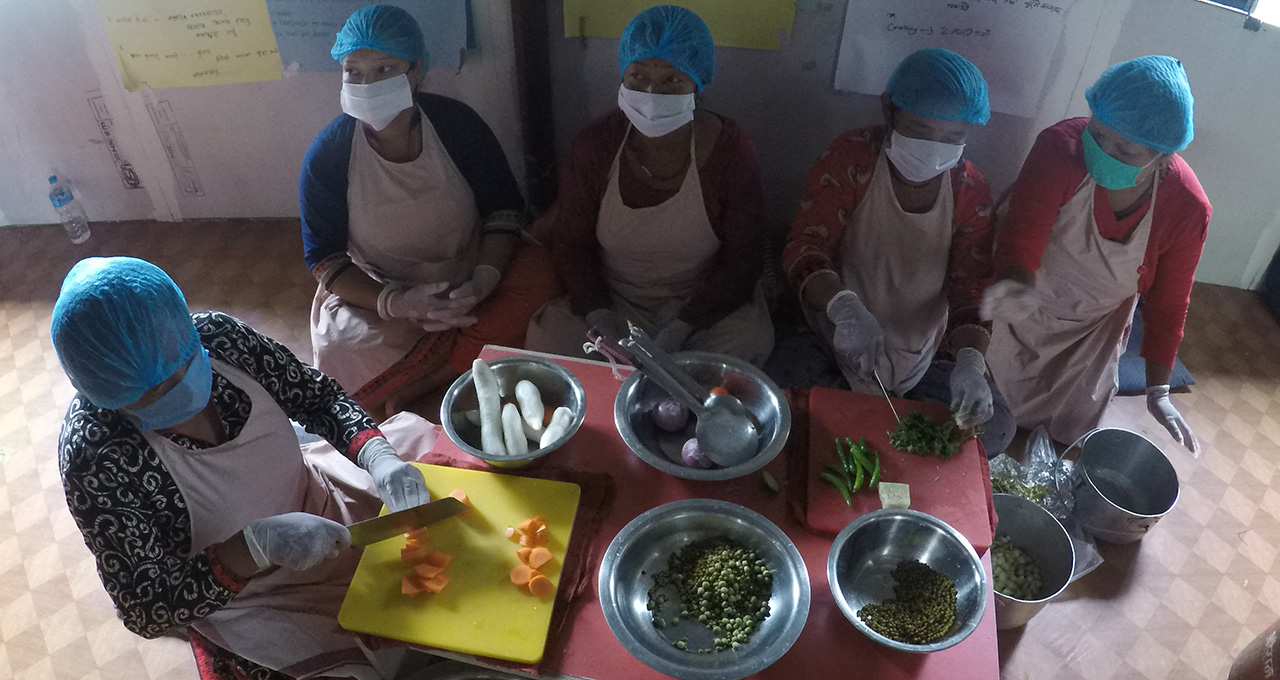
pixel 920 160
pixel 377 104
pixel 655 115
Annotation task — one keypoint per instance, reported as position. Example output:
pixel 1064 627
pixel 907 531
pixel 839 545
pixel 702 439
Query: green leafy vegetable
pixel 916 433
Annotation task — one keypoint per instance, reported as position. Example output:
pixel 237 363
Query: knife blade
pixel 886 395
pixel 391 524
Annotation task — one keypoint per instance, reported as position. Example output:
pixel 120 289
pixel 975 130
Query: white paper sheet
pixel 1011 42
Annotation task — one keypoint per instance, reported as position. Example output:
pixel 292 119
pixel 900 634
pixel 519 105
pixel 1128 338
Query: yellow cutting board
pixel 480 612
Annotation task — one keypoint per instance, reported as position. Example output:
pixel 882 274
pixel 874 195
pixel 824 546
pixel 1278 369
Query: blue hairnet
pixel 674 34
pixel 1148 101
pixel 384 28
pixel 939 84
pixel 121 327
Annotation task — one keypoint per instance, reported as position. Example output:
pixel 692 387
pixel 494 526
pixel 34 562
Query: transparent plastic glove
pixel 1161 407
pixel 400 485
pixel 296 540
pixel 412 302
pixel 611 323
pixel 484 280
pixel 1008 301
pixel 858 336
pixel 970 392
pixel 671 339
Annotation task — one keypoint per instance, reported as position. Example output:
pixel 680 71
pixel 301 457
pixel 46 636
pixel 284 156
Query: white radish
pixel 490 409
pixel 472 417
pixel 530 401
pixel 559 424
pixel 533 435
pixel 513 431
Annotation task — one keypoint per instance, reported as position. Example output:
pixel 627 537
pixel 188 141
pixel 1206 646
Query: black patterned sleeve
pixel 135 522
pixel 308 396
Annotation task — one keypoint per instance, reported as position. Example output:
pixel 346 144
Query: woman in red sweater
pixel 891 248
pixel 658 220
pixel 1104 211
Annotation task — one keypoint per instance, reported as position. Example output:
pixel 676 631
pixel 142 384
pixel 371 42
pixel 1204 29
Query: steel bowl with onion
pixel 763 398
pixel 870 546
pixel 557 385
pixel 642 549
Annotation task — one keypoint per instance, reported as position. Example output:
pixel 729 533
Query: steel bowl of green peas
pixel 704 589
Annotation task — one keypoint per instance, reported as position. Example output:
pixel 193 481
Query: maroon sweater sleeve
pixel 582 185
pixel 1180 226
pixel 731 191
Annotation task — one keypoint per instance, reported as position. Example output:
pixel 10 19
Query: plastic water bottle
pixel 74 219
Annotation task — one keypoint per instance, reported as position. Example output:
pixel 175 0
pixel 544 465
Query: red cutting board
pixel 952 490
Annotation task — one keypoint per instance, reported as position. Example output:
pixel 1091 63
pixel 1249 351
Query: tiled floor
pixel 1180 604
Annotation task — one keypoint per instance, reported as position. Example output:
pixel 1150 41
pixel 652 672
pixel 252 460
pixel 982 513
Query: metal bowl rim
pixel 644 522
pixel 1084 471
pixel 852 615
pixel 1064 535
pixel 721 474
pixel 451 396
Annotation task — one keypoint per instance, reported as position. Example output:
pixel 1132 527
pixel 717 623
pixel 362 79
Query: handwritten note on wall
pixel 183 43
pixel 734 23
pixel 306 29
pixel 1011 42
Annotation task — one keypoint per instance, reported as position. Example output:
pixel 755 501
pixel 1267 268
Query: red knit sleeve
pixel 574 245
pixel 836 185
pixel 1164 309
pixel 969 270
pixel 1050 175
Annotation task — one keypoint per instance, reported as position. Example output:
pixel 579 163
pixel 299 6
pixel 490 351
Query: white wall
pixel 786 102
pixel 246 141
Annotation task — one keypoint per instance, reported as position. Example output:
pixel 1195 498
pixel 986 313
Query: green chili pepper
pixel 860 456
pixel 875 473
pixel 840 486
pixel 835 469
pixel 857 480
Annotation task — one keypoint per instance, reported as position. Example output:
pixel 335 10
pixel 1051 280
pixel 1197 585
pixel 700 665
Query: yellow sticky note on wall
pixel 185 43
pixel 734 23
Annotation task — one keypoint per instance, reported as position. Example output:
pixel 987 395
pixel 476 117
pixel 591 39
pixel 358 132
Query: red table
pixel 829 647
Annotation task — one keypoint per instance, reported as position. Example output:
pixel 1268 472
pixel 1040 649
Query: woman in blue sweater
pixel 413 226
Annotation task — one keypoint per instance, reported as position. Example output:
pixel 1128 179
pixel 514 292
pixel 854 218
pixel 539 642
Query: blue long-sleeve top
pixel 322 186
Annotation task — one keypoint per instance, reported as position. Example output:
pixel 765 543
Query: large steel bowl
pixel 661 449
pixel 866 550
pixel 642 549
pixel 557 385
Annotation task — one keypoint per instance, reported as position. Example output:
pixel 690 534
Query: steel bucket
pixel 1039 533
pixel 1123 485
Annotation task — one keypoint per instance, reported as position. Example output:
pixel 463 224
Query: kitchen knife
pixel 886 395
pixel 391 524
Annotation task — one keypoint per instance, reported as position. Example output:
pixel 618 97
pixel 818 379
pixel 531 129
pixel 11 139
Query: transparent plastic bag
pixel 1047 480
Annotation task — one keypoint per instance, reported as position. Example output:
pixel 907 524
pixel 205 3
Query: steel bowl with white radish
pixel 663 431
pixel 512 411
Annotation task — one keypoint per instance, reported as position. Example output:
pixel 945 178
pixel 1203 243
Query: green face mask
pixel 1108 171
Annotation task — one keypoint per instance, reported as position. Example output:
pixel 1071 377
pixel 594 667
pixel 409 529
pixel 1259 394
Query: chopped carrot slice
pixel 526 541
pixel 512 535
pixel 523 554
pixel 521 574
pixel 439 559
pixel 541 586
pixel 437 583
pixel 539 557
pixel 427 571
pixel 526 527
pixel 411 585
pixel 413 554
pixel 718 390
pixel 462 496
pixel 417 536
pixel 541 536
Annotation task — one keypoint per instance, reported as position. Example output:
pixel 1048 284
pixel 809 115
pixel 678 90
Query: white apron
pixel 283 619
pixel 1058 366
pixel 897 263
pixel 655 259
pixel 410 223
